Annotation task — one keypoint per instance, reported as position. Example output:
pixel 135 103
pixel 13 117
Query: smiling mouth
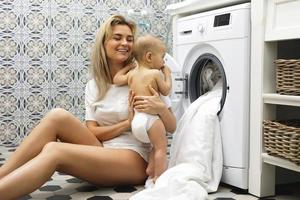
pixel 122 50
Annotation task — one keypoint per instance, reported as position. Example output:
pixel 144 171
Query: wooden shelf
pixel 280 162
pixel 289 100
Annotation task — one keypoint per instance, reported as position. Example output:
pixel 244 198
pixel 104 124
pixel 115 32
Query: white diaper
pixel 141 124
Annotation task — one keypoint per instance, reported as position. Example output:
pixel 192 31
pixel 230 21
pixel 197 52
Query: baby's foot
pixel 150 169
pixel 160 163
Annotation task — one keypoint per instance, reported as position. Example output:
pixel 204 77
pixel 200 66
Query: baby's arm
pixel 121 77
pixel 164 83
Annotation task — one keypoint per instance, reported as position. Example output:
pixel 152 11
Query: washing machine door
pixel 205 73
pixel 202 70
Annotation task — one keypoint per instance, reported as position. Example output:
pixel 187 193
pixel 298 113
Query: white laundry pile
pixel 195 166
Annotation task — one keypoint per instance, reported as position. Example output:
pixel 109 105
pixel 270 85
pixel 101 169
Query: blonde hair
pixel 100 69
pixel 145 44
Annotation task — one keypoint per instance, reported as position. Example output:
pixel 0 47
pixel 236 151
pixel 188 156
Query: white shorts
pixel 128 141
pixel 143 152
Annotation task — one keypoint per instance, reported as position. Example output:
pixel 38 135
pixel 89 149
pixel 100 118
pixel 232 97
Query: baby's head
pixel 149 50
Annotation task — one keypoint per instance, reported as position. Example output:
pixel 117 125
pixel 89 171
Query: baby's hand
pixel 132 65
pixel 166 70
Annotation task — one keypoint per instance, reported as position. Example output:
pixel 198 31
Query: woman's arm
pixel 155 106
pixel 169 119
pixel 108 132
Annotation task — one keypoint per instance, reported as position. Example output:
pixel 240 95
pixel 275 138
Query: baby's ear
pixel 148 56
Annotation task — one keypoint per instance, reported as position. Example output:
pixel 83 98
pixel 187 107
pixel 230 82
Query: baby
pixel 149 52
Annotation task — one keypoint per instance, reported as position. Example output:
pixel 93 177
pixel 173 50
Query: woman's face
pixel 119 46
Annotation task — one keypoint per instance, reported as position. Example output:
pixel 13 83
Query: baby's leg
pixel 157 135
pixel 150 167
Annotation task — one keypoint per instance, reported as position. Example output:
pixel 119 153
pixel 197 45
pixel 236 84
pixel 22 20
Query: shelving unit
pixel 273 23
pixel 280 162
pixel 271 98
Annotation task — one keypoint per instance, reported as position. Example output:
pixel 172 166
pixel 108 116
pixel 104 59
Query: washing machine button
pixel 201 28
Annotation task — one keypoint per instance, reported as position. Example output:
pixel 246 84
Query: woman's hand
pixel 149 104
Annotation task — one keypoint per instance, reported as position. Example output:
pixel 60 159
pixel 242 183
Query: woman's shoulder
pixel 91 84
pixel 91 87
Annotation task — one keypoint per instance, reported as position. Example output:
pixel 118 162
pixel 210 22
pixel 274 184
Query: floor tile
pixel 41 194
pixel 245 197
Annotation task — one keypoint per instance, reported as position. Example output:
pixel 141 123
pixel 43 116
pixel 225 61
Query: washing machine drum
pixel 206 72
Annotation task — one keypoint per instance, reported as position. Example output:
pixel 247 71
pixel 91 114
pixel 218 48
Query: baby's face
pixel 158 58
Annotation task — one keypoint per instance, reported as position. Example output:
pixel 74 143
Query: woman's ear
pixel 148 56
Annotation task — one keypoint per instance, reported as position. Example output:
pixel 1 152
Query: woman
pixel 102 151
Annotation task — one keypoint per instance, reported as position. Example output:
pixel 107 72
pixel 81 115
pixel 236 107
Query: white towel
pixel 195 166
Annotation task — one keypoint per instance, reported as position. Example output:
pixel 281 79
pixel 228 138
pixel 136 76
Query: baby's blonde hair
pixel 145 44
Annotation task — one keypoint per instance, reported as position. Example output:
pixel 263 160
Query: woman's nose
pixel 124 41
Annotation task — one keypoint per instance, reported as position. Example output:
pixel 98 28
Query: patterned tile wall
pixel 44 54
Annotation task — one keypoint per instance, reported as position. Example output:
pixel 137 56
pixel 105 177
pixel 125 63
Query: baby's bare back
pixel 140 79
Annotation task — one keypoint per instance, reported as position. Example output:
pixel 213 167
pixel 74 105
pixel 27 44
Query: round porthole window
pixel 206 72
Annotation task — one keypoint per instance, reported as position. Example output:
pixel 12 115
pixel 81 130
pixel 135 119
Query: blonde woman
pixel 101 151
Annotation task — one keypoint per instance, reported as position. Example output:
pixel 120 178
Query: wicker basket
pixel 288 76
pixel 282 139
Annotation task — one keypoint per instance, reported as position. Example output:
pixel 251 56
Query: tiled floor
pixel 64 187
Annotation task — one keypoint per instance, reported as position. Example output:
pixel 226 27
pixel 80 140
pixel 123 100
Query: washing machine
pixel 211 47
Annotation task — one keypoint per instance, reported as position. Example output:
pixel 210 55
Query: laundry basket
pixel 282 139
pixel 288 76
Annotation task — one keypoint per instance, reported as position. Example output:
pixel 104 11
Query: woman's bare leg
pixel 57 124
pixel 157 136
pixel 95 164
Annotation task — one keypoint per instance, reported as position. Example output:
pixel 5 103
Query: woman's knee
pixel 51 152
pixel 51 148
pixel 58 115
